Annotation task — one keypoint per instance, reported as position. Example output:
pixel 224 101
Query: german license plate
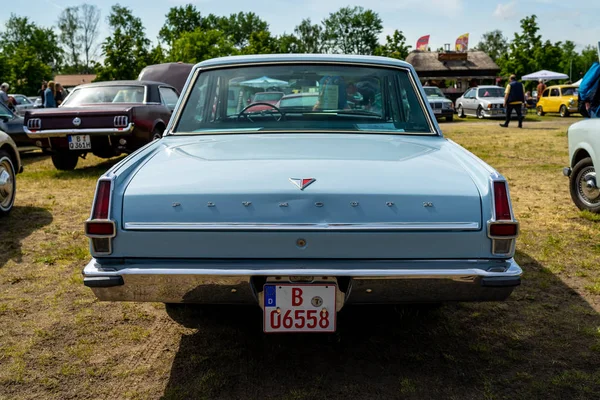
pixel 80 142
pixel 299 308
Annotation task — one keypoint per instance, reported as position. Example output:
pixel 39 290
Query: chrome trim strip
pixel 229 226
pixel 88 131
pixel 92 270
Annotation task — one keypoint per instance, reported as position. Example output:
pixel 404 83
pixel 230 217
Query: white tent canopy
pixel 578 82
pixel 544 75
pixel 263 82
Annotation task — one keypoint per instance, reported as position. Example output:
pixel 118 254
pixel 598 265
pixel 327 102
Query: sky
pixel 444 20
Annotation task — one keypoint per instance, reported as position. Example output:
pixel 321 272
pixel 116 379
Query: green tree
pixel 548 56
pixel 28 70
pixel 287 43
pixel 20 32
pixel 310 37
pixel 261 43
pixel 239 27
pixel 394 47
pixel 494 44
pixel 520 59
pixel 200 45
pixel 179 19
pixel 352 31
pixel 69 26
pixel 157 55
pixel 126 50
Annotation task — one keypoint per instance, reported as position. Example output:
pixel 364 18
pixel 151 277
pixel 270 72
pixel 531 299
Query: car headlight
pixel 489 106
pixel 571 102
pixel 446 105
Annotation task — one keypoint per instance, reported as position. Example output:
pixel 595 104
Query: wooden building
pixel 454 72
pixel 69 81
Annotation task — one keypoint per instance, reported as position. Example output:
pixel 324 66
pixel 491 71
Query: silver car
pixel 483 102
pixel 23 103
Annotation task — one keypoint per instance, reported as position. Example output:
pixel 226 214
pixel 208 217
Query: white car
pixel 10 166
pixel 23 103
pixel 584 155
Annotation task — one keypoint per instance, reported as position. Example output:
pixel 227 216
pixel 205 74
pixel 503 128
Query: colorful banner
pixel 423 43
pixel 462 43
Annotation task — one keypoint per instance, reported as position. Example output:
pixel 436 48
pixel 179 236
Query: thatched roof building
pixel 453 65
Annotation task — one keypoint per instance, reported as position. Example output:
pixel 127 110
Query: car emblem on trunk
pixel 76 121
pixel 302 182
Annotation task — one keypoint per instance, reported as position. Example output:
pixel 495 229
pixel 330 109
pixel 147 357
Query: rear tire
pixel 8 183
pixel 584 198
pixel 564 112
pixel 64 161
pixel 540 111
pixel 157 134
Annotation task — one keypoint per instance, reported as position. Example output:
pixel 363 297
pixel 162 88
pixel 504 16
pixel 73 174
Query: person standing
pixel 514 97
pixel 42 91
pixel 58 94
pixel 4 93
pixel 540 88
pixel 49 94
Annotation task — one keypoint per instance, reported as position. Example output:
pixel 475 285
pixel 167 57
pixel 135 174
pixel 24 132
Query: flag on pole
pixel 462 43
pixel 423 43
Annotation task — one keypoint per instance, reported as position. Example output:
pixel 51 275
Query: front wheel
pixel 8 184
pixel 64 161
pixel 583 187
pixel 480 112
pixel 460 111
pixel 564 112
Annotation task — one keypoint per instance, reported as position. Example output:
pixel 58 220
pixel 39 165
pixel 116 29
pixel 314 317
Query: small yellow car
pixel 560 99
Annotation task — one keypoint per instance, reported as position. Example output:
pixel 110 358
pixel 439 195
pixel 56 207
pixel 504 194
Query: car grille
pixel 34 123
pixel 436 105
pixel 121 121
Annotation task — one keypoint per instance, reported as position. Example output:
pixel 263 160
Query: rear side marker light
pixel 501 204
pixel 102 200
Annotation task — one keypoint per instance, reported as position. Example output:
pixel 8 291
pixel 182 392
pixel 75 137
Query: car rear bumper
pixel 50 133
pixel 361 281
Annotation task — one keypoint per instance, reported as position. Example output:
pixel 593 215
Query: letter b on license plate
pixel 299 308
pixel 79 142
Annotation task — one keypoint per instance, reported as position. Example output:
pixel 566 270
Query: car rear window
pixel 105 94
pixel 339 98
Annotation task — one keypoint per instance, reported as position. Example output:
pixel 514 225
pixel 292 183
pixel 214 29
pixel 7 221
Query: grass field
pixel 58 342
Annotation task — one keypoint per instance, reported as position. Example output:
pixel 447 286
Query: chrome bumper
pixel 376 281
pixel 89 131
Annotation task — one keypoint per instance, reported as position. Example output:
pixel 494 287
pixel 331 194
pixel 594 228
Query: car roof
pixel 123 83
pixel 562 87
pixel 489 87
pixel 337 58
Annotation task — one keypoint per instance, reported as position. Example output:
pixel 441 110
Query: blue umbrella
pixel 263 82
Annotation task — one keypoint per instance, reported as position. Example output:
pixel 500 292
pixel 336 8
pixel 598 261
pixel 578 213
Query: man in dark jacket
pixel 514 97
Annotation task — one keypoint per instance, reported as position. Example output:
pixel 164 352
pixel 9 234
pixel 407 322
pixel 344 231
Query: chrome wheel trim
pixel 480 113
pixel 563 110
pixel 7 184
pixel 588 196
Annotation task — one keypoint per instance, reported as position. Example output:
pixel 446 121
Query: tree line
pixel 30 53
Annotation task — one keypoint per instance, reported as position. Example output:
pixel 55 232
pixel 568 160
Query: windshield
pixel 569 91
pixel 105 94
pixel 434 92
pixel 316 97
pixel 491 92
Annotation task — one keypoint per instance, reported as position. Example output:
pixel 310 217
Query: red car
pixel 103 118
pixel 264 97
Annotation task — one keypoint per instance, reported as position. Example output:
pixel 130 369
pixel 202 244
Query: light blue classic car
pixel 355 198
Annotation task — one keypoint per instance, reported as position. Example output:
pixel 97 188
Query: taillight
pixel 502 228
pixel 102 200
pixel 99 228
pixel 501 204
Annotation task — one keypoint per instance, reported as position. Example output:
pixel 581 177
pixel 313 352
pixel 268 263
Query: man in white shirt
pixel 3 94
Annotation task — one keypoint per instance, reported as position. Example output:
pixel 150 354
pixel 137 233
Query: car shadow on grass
pixel 18 225
pixel 543 342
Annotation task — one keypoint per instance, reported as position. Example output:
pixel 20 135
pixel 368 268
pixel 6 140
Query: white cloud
pixel 506 11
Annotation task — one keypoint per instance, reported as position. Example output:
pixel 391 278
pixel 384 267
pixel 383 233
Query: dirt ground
pixel 58 342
